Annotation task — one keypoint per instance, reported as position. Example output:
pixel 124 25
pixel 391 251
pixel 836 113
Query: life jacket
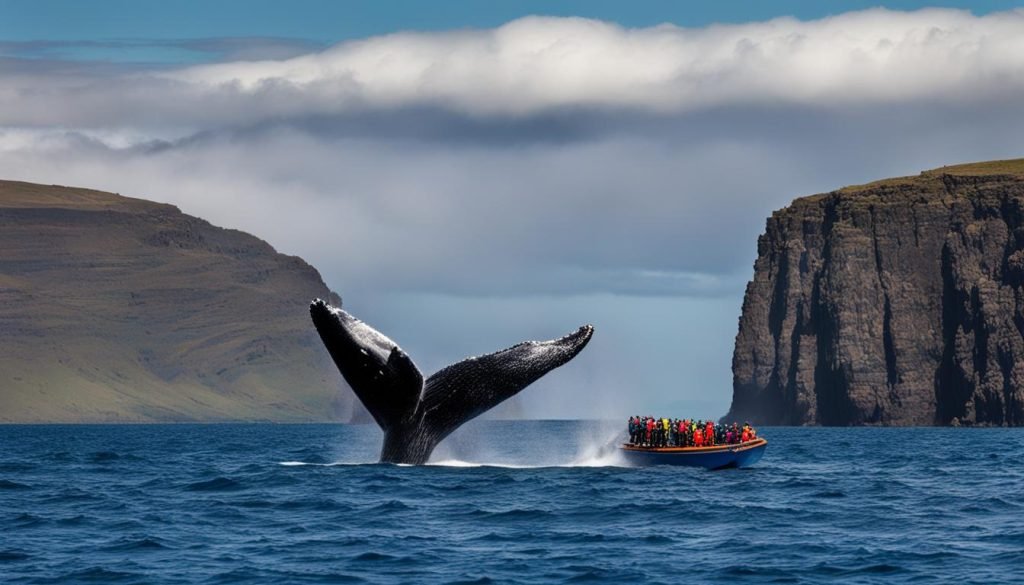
pixel 664 423
pixel 650 425
pixel 698 440
pixel 681 428
pixel 746 436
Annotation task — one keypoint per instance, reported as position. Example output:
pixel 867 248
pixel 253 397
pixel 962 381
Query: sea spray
pixel 583 444
pixel 601 450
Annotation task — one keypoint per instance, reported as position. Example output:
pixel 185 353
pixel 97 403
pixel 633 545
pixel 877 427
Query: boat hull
pixel 717 457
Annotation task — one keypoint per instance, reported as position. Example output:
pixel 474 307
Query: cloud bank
pixel 537 64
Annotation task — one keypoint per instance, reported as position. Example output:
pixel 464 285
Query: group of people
pixel 647 431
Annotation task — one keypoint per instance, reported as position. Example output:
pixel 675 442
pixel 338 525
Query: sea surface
pixel 505 502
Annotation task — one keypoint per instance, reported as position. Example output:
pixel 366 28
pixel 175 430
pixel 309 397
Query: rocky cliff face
pixel 118 309
pixel 894 303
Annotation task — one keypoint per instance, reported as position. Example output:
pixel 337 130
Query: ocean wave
pixel 9 556
pixel 103 456
pixel 301 504
pixel 95 575
pixel 318 464
pixel 217 484
pixel 134 544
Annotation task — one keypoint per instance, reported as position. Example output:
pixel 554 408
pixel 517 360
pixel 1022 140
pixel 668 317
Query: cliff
pixel 893 303
pixel 117 310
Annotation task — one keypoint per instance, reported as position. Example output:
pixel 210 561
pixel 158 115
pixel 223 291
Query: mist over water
pixel 503 501
pixel 487 443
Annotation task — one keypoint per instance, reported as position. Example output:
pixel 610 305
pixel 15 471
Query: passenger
pixel 657 432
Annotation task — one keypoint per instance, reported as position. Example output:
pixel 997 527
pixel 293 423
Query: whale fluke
pixel 415 414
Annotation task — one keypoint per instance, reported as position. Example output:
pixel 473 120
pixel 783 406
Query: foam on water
pixel 456 463
pixel 314 464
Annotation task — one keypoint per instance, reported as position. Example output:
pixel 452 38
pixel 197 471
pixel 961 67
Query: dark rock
pixel 894 303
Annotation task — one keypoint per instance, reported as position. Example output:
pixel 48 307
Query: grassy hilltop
pixel 115 309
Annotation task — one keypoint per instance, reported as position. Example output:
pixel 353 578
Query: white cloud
pixel 536 64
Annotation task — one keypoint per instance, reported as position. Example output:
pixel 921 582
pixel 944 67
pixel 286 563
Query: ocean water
pixel 506 502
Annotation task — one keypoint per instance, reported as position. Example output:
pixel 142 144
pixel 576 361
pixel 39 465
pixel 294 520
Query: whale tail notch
pixel 417 415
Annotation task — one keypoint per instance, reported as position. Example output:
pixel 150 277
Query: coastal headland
pixel 899 302
pixel 115 309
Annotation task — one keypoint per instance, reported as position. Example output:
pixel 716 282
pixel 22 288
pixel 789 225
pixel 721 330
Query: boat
pixel 713 457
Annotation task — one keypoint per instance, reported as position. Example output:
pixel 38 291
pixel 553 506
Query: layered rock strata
pixel 894 303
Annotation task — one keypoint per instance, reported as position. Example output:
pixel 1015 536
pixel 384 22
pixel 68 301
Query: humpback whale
pixel 417 414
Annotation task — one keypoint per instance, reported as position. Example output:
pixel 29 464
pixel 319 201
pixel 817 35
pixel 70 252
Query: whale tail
pixel 415 414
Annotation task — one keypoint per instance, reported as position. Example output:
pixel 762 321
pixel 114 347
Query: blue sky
pixel 471 174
